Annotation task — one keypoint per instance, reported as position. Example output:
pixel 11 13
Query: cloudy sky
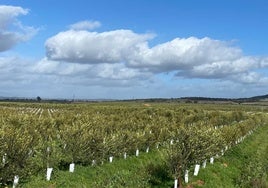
pixel 124 49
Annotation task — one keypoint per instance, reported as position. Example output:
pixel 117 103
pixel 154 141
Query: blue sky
pixel 133 49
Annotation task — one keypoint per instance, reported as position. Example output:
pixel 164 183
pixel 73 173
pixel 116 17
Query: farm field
pixel 156 142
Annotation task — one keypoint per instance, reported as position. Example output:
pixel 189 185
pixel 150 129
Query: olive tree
pixel 192 145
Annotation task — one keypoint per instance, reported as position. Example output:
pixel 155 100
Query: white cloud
pixel 119 72
pixel 131 48
pixel 13 70
pixel 264 62
pixel 184 53
pixel 187 57
pixel 221 69
pixel 100 71
pixel 8 14
pixel 24 77
pixel 19 33
pixel 45 66
pixel 92 47
pixel 252 78
pixel 85 25
pixel 249 78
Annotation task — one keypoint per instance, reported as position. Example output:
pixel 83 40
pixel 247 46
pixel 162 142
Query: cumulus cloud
pixel 221 69
pixel 85 25
pixel 132 48
pixel 13 70
pixel 184 53
pixel 92 47
pixel 119 72
pixel 101 71
pixel 12 31
pixel 251 78
pixel 186 57
pixel 45 66
pixel 9 13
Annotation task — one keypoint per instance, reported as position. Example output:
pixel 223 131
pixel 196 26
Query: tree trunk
pixel 180 182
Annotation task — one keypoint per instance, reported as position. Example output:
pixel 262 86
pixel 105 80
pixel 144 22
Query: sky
pixel 125 49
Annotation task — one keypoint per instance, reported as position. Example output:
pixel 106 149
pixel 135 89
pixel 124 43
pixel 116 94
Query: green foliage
pixel 192 146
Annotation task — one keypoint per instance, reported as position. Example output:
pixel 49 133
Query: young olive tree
pixel 192 145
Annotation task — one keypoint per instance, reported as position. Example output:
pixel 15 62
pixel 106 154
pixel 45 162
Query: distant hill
pixel 260 98
pixel 256 98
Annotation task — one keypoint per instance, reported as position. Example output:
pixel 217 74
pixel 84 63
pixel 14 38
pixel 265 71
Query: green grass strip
pixel 245 165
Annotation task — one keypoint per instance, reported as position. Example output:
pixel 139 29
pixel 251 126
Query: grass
pixel 244 165
pixel 133 172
